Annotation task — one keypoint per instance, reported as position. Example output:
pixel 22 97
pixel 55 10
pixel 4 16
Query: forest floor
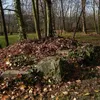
pixel 18 88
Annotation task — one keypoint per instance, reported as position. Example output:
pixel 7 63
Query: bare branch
pixel 10 10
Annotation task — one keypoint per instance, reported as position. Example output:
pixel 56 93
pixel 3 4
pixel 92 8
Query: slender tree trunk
pixel 9 21
pixel 95 24
pixel 20 19
pixel 4 24
pixel 60 24
pixel 43 7
pixel 49 18
pixel 1 26
pixel 45 19
pixel 63 18
pixel 53 21
pixel 36 17
pixel 99 18
pixel 70 20
pixel 78 20
pixel 76 16
pixel 83 16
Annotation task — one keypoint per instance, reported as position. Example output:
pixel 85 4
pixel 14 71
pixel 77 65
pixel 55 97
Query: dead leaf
pixel 96 91
pixel 65 93
pixel 31 91
pixel 87 94
pixel 5 97
pixel 45 90
pixel 22 87
pixel 78 81
pixel 57 98
pixel 13 97
pixel 74 99
pixel 26 97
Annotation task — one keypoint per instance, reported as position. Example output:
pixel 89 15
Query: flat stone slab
pixel 13 73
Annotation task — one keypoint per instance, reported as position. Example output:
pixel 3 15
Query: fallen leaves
pixel 40 49
pixel 87 94
pixel 78 81
pixel 26 97
pixel 21 88
pixel 16 89
pixel 31 91
pixel 65 93
pixel 5 97
pixel 96 91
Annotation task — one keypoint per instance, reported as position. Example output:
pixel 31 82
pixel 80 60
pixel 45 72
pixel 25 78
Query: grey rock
pixel 50 67
pixel 13 73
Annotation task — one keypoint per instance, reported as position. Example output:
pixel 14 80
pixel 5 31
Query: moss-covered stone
pixel 50 67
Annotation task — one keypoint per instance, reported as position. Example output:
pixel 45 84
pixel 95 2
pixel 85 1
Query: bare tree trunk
pixel 70 20
pixel 1 26
pixel 99 18
pixel 95 24
pixel 84 16
pixel 43 7
pixel 76 17
pixel 59 24
pixel 20 19
pixel 8 21
pixel 45 19
pixel 49 18
pixel 36 17
pixel 4 24
pixel 63 18
pixel 53 22
pixel 77 24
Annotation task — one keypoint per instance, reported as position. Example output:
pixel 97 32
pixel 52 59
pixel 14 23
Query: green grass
pixel 88 38
pixel 14 38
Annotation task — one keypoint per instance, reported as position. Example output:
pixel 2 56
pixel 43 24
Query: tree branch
pixel 10 10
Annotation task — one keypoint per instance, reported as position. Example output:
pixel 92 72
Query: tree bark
pixel 77 25
pixel 4 24
pixel 84 16
pixel 95 24
pixel 20 19
pixel 63 18
pixel 45 19
pixel 36 17
pixel 49 18
pixel 99 18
